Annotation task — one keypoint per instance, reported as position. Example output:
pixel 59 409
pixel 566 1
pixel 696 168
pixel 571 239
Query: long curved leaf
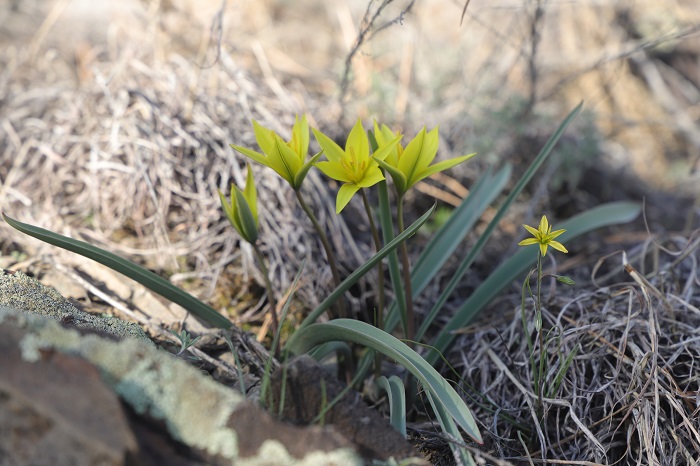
pixel 461 454
pixel 605 215
pixel 367 335
pixel 145 277
pixel 396 394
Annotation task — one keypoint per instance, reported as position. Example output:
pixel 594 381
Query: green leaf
pixel 448 238
pixel 564 279
pixel 363 269
pixel 342 349
pixel 145 277
pixel 605 215
pixel 367 335
pixel 396 395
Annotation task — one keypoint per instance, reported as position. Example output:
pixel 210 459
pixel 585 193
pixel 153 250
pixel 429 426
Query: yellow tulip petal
pixel 288 159
pixel 532 231
pixel 300 131
pixel 345 193
pixel 438 167
pixel 265 137
pixel 373 175
pixel 528 241
pixel 430 148
pixel 331 150
pixel 383 151
pixel 383 137
pixel 543 249
pixel 260 158
pixel 358 141
pixel 544 225
pixel 334 170
pixel 554 234
pixel 558 246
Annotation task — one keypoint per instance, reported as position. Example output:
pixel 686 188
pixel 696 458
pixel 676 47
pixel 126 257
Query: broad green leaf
pixel 321 351
pixel 396 395
pixel 501 278
pixel 378 340
pixel 363 269
pixel 145 277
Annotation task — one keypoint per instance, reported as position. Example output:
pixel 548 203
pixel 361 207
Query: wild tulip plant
pixel 359 167
pixel 544 237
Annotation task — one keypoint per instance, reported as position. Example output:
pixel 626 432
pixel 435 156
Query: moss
pixel 21 292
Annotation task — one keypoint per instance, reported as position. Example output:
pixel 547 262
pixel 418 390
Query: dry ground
pixel 115 121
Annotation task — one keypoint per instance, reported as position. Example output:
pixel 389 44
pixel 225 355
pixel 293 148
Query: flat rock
pixel 70 398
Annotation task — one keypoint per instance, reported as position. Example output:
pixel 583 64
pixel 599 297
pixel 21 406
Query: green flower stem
pixel 270 293
pixel 326 246
pixel 411 326
pixel 380 280
pixel 540 334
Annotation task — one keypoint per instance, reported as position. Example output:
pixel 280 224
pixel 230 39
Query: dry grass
pixel 631 395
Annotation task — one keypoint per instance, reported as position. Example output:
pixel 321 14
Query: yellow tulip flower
pixel 286 158
pixel 410 165
pixel 544 236
pixel 242 211
pixel 353 166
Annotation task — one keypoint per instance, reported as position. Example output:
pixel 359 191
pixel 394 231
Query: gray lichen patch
pixel 21 292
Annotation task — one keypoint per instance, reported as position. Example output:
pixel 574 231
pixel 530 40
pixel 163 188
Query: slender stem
pixel 326 246
pixel 540 334
pixel 270 293
pixel 410 327
pixel 380 280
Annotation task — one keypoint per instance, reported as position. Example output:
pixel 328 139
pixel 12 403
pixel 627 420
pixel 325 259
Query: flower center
pixel 354 168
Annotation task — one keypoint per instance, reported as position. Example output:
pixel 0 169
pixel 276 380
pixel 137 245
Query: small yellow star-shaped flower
pixel 544 236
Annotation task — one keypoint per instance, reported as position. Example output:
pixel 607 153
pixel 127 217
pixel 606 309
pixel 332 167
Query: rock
pixel 57 411
pixel 84 399
pixel 304 399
